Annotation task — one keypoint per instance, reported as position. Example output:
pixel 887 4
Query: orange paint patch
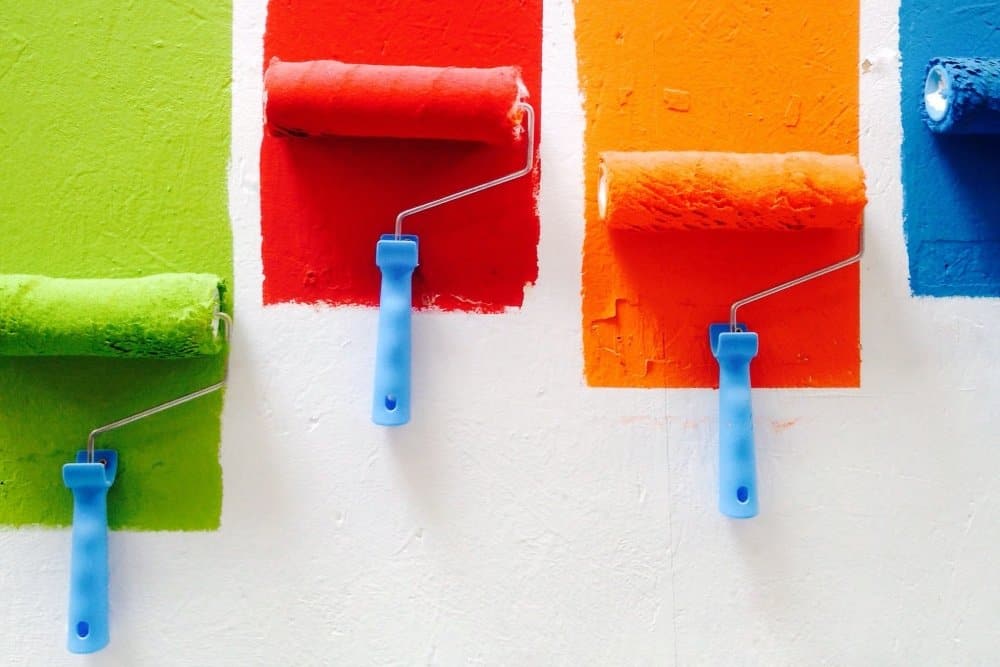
pixel 751 76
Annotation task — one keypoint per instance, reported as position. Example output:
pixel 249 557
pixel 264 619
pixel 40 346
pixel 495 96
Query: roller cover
pixel 166 316
pixel 962 96
pixel 328 97
pixel 656 191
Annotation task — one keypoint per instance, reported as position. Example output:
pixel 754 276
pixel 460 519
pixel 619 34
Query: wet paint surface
pixel 325 201
pixel 950 200
pixel 724 76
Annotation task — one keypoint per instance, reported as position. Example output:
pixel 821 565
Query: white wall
pixel 523 518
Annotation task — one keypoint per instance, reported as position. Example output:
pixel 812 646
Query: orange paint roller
pixel 662 191
pixel 332 98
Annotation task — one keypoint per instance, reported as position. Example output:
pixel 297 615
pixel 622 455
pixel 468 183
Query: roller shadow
pixel 416 448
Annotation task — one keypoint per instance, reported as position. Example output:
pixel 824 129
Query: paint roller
pixel 322 98
pixel 962 96
pixel 166 316
pixel 663 191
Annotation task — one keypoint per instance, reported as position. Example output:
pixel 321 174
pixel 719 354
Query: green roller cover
pixel 164 316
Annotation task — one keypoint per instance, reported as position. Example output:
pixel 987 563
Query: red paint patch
pixel 325 201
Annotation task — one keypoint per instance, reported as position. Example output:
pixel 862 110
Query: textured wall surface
pixel 526 519
pixel 749 77
pixel 950 195
pixel 114 141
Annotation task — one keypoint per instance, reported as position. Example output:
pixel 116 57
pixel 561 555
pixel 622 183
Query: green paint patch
pixel 114 142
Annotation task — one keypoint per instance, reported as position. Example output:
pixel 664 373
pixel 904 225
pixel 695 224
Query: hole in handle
pixel 82 629
pixel 743 494
pixel 390 402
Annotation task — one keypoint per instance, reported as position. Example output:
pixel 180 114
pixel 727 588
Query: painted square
pixel 325 202
pixel 113 149
pixel 951 202
pixel 738 76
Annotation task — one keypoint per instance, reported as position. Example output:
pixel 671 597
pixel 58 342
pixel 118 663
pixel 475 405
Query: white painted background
pixel 525 519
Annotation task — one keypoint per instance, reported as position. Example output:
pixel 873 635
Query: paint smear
pixel 113 145
pixel 324 202
pixel 950 197
pixel 731 75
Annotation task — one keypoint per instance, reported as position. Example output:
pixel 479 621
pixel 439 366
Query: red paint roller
pixel 328 97
pixel 671 191
pixel 331 98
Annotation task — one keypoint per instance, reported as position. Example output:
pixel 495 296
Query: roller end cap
pixel 937 97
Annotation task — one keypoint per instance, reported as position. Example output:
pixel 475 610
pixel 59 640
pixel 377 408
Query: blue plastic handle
pixel 396 258
pixel 88 579
pixel 737 461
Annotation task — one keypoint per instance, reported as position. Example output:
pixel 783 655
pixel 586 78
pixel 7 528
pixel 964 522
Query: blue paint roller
pixel 962 96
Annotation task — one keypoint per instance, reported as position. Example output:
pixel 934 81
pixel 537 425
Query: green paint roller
pixel 166 316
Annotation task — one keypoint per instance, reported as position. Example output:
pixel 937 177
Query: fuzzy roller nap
pixel 331 98
pixel 328 97
pixel 662 190
pixel 669 191
pixel 962 96
pixel 166 316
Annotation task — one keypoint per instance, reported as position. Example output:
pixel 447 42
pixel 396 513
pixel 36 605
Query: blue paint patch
pixel 951 183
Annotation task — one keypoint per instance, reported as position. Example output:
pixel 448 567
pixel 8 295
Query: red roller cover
pixel 329 97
